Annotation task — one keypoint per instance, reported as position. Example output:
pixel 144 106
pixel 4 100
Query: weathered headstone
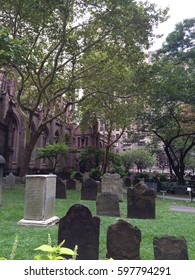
pixel 60 188
pixel 113 183
pixel 140 202
pixel 89 190
pixel 11 180
pixel 64 175
pixel 40 191
pixel 80 228
pixel 107 204
pixel 170 248
pixel 85 176
pixel 127 182
pixel 2 164
pixel 123 241
pixel 71 184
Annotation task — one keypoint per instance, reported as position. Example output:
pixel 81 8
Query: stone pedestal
pixel 40 192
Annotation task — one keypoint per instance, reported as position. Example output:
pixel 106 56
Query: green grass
pixel 167 222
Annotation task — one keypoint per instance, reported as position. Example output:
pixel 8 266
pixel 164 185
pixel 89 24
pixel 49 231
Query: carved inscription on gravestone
pixel 113 183
pixel 107 204
pixel 39 197
pixel 123 241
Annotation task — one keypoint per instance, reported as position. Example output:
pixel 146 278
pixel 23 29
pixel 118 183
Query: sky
pixel 179 10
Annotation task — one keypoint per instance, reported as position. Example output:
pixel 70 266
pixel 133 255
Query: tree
pixel 114 102
pixel 59 40
pixel 141 157
pixel 58 37
pixel 169 110
pixel 90 158
pixel 54 153
pixel 180 42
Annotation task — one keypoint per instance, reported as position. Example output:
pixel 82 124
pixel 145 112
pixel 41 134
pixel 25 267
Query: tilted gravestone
pixel 40 191
pixel 11 180
pixel 80 228
pixel 107 204
pixel 89 190
pixel 170 248
pixel 113 183
pixel 140 202
pixel 60 188
pixel 123 241
pixel 71 184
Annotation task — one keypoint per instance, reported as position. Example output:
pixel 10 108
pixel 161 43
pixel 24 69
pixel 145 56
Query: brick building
pixel 12 134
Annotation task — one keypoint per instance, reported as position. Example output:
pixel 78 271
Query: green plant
pixel 13 251
pixel 55 252
pixel 53 152
pixel 96 174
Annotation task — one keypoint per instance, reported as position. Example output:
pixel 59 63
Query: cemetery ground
pixel 167 222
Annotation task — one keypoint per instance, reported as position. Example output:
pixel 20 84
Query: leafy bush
pixel 96 174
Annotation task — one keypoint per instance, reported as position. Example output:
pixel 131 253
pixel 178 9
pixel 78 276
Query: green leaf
pixel 45 248
pixel 42 257
pixel 66 251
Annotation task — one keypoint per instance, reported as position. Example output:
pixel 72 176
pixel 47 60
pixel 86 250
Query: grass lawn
pixel 167 222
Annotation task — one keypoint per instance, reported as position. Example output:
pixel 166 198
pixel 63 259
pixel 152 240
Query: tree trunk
pixel 26 156
pixel 24 165
pixel 177 165
pixel 105 161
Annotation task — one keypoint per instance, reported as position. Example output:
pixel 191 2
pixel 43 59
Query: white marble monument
pixel 39 208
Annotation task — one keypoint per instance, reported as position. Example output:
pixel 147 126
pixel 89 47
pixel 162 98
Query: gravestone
pixel 140 202
pixel 71 184
pixel 123 241
pixel 127 182
pixel 60 188
pixel 40 191
pixel 170 248
pixel 64 175
pixel 80 228
pixel 113 183
pixel 11 181
pixel 85 176
pixel 89 190
pixel 107 204
pixel 2 164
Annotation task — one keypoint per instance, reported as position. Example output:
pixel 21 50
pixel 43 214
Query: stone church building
pixel 12 134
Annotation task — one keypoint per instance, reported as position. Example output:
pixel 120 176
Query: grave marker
pixel 40 191
pixel 79 227
pixel 107 204
pixel 123 241
pixel 89 190
pixel 11 180
pixel 113 183
pixel 170 248
pixel 140 202
pixel 60 188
